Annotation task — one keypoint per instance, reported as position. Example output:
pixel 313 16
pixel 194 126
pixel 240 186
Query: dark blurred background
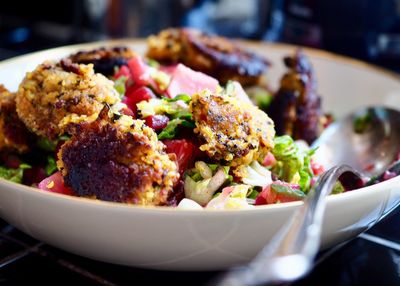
pixel 365 29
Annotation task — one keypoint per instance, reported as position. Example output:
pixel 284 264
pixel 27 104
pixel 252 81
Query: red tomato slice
pixel 139 71
pixel 157 122
pixel 55 184
pixel 135 95
pixel 184 151
pixel 123 71
pixel 188 81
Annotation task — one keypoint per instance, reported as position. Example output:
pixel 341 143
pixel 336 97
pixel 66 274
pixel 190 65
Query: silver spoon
pixel 367 140
pixel 291 252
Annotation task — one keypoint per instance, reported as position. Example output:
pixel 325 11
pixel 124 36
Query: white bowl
pixel 173 239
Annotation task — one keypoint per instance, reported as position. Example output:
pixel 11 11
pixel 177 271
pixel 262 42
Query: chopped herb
pixel 119 85
pixel 13 175
pixel 170 130
pixel 51 166
pixel 184 97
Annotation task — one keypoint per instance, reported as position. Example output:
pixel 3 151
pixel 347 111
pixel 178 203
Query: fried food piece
pixel 121 161
pixel 14 136
pixel 104 59
pixel 213 55
pixel 57 94
pixel 232 130
pixel 296 107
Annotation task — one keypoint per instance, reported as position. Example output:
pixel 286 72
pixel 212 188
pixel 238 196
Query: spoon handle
pixel 291 252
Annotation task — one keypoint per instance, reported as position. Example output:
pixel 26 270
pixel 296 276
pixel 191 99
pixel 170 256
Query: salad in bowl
pixel 188 158
pixel 193 125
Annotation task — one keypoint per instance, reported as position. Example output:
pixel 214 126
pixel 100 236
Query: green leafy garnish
pixel 293 164
pixel 252 193
pixel 119 85
pixel 287 191
pixel 163 106
pixel 338 188
pixel 13 175
pixel 51 145
pixel 46 144
pixel 171 130
pixel 184 97
pixel 51 166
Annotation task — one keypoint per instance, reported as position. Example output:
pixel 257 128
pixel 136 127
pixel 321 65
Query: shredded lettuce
pixel 293 163
pixel 170 131
pixel 13 175
pixel 119 85
pixel 256 175
pixel 232 197
pixel 201 182
pixel 184 97
pixel 287 191
pixel 174 109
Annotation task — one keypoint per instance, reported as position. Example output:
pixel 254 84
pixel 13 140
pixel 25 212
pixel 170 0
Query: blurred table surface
pixel 373 258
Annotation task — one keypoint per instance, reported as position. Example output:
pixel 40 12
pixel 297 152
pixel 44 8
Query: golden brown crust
pixel 121 161
pixel 104 59
pixel 57 94
pixel 233 131
pixel 296 107
pixel 14 136
pixel 213 55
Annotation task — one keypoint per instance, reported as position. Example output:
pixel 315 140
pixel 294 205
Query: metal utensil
pixel 291 252
pixel 367 140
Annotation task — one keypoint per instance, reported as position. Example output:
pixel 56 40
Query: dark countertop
pixel 373 258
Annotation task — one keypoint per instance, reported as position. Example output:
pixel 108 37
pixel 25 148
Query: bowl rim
pixel 332 199
pixel 316 53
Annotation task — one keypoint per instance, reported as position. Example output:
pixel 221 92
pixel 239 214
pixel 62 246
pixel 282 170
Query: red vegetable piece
pixel 135 95
pixel 188 81
pixel 55 184
pixel 34 175
pixel 269 160
pixel 123 71
pixel 157 122
pixel 11 161
pixel 316 168
pixel 139 71
pixel 184 150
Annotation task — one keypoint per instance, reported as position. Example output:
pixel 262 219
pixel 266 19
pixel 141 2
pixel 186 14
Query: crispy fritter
pixel 213 55
pixel 233 131
pixel 296 107
pixel 14 136
pixel 57 94
pixel 104 59
pixel 121 161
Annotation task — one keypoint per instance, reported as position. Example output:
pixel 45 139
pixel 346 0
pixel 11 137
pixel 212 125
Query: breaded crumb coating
pixel 117 160
pixel 57 94
pixel 214 55
pixel 104 59
pixel 14 136
pixel 232 130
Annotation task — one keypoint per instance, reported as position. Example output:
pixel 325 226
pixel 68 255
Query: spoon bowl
pixel 367 140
